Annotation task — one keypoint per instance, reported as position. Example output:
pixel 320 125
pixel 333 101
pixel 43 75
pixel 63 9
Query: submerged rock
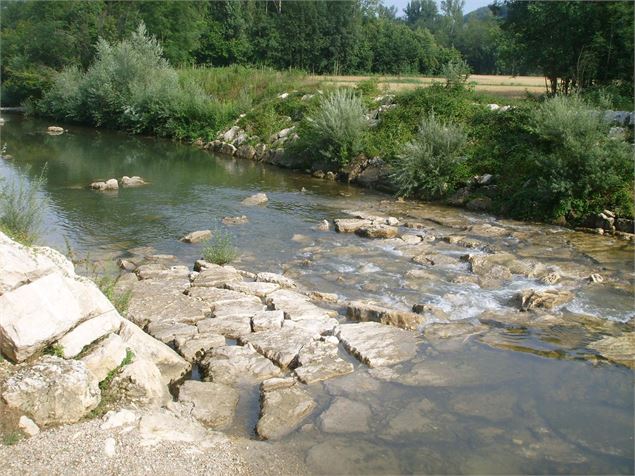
pixel 197 236
pixel 547 299
pixel 377 345
pixel 348 456
pixel 134 181
pixel 282 411
pixel 53 390
pixel 256 199
pixel 213 404
pixel 345 416
pixel 239 220
pixel 619 349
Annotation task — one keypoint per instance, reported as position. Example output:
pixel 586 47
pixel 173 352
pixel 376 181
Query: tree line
pixel 573 43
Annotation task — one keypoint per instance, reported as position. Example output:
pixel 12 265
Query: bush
pixel 455 73
pixel 220 249
pixel 576 168
pixel 335 130
pixel 131 86
pixel 21 208
pixel 429 166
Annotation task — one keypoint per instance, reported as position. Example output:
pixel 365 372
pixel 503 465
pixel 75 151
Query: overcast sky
pixel 470 5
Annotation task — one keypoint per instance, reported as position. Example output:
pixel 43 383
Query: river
pixel 522 398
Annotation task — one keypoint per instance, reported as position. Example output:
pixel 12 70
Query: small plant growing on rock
pixel 56 349
pixel 119 299
pixel 220 249
pixel 430 164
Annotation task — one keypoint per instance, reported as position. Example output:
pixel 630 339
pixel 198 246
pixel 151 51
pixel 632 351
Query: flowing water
pixel 519 399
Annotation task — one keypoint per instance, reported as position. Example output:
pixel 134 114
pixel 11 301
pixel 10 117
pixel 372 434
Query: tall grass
pixel 21 208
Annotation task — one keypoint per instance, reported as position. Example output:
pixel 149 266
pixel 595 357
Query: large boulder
pixel 22 265
pixel 53 390
pixel 37 314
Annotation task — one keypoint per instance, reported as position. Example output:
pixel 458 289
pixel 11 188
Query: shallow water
pixel 529 402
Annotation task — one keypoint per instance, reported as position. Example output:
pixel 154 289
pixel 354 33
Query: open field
pixel 507 86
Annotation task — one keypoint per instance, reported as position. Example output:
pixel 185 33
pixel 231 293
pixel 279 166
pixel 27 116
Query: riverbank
pixel 561 160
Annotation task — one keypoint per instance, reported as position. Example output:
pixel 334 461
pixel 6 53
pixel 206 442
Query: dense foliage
pixel 131 86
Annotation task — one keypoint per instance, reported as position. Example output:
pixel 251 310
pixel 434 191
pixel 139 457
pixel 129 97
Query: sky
pixel 470 5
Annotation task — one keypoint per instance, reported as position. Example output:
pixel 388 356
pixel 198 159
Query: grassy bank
pixel 553 160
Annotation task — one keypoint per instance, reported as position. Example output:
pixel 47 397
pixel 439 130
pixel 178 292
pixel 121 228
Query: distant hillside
pixel 484 12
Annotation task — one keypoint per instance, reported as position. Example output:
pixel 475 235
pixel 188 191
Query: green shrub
pixel 576 168
pixel 399 125
pixel 335 130
pixel 21 208
pixel 220 249
pixel 456 73
pixel 131 86
pixel 430 165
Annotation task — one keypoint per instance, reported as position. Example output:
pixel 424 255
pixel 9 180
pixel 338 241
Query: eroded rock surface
pixel 53 390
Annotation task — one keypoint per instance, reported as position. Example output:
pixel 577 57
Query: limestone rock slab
pixel 282 411
pixel 319 360
pixel 376 344
pixel 213 404
pixel 229 364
